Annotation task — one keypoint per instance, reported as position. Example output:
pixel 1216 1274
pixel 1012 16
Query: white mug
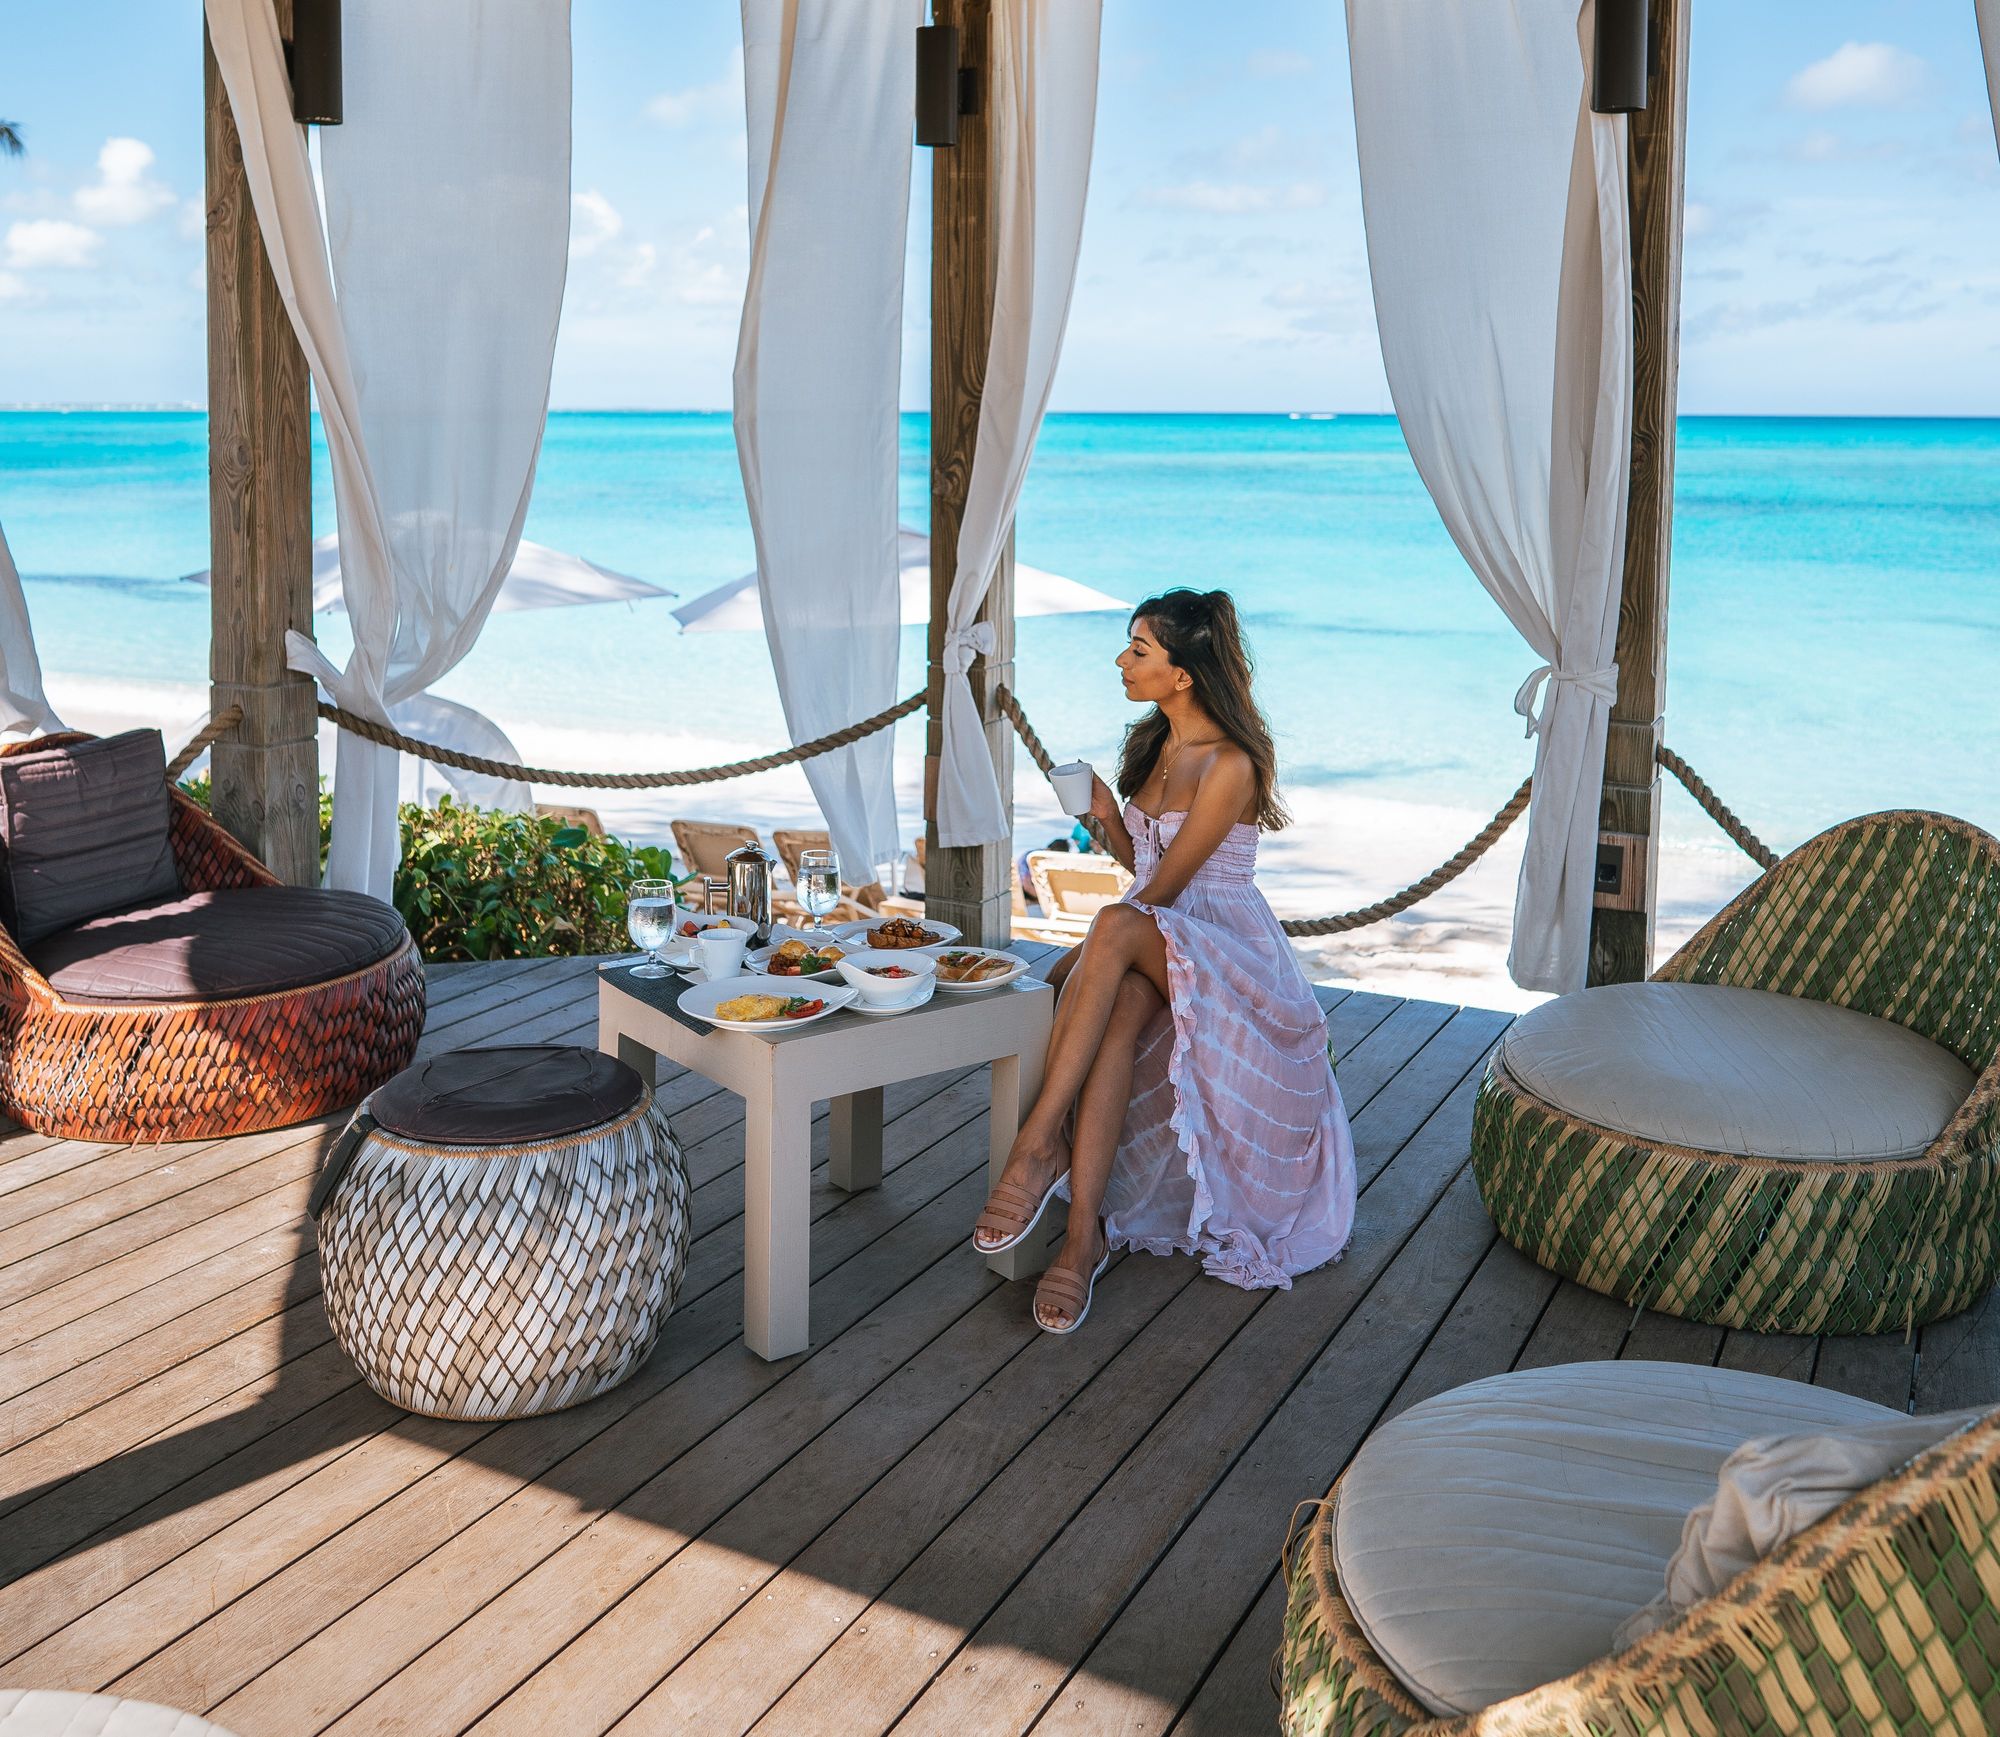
pixel 722 952
pixel 1073 785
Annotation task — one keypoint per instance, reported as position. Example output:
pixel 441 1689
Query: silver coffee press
pixel 751 875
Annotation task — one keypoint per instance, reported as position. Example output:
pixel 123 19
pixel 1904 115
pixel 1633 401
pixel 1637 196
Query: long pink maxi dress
pixel 1236 1147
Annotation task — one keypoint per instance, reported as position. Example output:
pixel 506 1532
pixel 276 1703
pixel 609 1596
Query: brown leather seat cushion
pixel 217 945
pixel 506 1096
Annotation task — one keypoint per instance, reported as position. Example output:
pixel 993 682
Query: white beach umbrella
pixel 734 608
pixel 541 578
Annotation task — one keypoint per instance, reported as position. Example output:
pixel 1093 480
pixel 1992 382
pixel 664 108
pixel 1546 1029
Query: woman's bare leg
pixel 1122 939
pixel 1100 1121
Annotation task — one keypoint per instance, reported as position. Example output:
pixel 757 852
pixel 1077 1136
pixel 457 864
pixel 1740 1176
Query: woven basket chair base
pixel 1894 915
pixel 485 1285
pixel 200 1070
pixel 1883 1620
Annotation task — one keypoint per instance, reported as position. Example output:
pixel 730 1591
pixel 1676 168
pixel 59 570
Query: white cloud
pixel 1279 63
pixel 638 265
pixel 594 220
pixel 123 192
pixel 13 288
pixel 1235 198
pixel 1868 74
pixel 45 241
pixel 193 220
pixel 704 102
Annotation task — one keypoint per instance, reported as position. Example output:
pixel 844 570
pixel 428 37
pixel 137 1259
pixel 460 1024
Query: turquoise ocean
pixel 1834 647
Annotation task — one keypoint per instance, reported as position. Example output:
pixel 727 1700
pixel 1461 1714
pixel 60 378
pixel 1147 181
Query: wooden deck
pixel 938 1519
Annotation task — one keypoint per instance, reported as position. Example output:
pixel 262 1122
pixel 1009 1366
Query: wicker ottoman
pixel 503 1232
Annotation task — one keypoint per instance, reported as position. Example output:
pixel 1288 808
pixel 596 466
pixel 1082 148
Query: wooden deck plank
pixel 961 1583
pixel 1578 1326
pixel 1879 1366
pixel 1959 1359
pixel 57 1528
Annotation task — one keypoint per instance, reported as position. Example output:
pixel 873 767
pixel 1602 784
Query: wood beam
pixel 1621 941
pixel 266 773
pixel 971 885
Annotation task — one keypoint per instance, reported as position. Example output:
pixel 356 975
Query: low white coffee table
pixel 846 1058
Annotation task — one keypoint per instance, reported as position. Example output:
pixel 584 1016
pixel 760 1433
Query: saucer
pixel 915 1001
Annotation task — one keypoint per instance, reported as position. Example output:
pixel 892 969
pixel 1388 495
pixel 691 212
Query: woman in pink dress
pixel 1188 1104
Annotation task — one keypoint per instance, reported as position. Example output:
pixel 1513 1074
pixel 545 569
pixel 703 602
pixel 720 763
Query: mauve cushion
pixel 506 1096
pixel 86 831
pixel 210 946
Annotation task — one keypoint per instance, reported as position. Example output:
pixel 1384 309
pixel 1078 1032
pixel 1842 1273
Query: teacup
pixel 721 951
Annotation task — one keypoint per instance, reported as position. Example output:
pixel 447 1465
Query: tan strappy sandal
pixel 1062 1289
pixel 1013 1212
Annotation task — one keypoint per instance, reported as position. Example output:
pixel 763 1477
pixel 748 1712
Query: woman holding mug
pixel 1188 1103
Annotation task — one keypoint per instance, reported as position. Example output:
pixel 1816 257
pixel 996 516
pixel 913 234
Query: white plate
pixel 762 957
pixel 917 1000
pixel 1020 968
pixel 704 998
pixel 856 934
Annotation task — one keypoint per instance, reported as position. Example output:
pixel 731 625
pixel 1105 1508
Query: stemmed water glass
pixel 649 920
pixel 819 885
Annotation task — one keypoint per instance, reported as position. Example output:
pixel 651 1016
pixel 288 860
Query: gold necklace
pixel 1167 765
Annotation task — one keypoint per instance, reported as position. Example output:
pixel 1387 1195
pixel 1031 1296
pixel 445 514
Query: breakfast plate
pixel 765 958
pixel 867 931
pixel 759 1003
pixel 966 982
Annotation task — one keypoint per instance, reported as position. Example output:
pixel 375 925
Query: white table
pixel 846 1058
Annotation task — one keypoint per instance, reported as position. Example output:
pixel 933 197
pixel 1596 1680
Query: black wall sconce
pixel 1621 58
pixel 945 90
pixel 312 58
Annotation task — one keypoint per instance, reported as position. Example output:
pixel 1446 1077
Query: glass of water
pixel 649 920
pixel 819 884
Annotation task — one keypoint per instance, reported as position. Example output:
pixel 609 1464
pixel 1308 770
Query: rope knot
pixel 1603 683
pixel 963 644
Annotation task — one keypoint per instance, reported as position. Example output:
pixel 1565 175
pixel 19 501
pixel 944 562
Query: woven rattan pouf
pixel 502 1232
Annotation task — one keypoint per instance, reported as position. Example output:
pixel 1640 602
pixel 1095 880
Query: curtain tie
pixel 1602 683
pixel 963 644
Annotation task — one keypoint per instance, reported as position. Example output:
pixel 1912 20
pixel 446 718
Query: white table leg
pixel 854 1129
pixel 777 1222
pixel 1016 1081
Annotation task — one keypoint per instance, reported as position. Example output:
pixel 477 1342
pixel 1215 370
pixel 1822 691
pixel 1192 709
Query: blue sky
pixel 1843 251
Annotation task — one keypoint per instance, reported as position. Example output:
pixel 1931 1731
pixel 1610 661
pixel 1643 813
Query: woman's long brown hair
pixel 1200 633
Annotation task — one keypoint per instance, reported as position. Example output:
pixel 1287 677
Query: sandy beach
pixel 1343 851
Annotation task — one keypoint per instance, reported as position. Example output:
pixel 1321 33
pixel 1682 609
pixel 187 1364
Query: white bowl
pixel 862 970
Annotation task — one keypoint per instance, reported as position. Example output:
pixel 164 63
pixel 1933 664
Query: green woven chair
pixel 1882 1618
pixel 1896 915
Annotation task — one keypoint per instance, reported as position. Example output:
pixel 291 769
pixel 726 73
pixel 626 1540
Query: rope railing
pixel 1009 707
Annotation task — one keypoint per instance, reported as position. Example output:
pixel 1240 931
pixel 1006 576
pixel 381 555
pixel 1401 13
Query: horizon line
pixel 111 407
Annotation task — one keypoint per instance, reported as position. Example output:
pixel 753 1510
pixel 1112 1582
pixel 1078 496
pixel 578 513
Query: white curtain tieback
pixel 963 644
pixel 1603 683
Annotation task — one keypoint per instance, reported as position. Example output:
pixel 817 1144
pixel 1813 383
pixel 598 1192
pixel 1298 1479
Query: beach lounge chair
pixel 1026 925
pixel 857 898
pixel 704 845
pixel 1072 887
pixel 1529 1554
pixel 157 982
pixel 1795 1124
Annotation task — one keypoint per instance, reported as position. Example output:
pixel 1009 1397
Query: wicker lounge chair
pixel 92 1047
pixel 1894 916
pixel 1882 1617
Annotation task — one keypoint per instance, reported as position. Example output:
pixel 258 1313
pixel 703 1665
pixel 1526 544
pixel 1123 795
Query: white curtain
pixel 427 308
pixel 1499 248
pixel 23 706
pixel 829 91
pixel 1044 121
pixel 1988 15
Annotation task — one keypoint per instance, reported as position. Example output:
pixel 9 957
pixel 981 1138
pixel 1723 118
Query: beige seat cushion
pixel 1741 1071
pixel 1493 1539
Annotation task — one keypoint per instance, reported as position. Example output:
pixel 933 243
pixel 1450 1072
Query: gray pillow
pixel 85 831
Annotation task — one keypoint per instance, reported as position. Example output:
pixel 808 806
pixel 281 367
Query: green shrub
pixel 477 884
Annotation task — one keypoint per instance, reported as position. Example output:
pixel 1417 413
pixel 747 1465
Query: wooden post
pixel 1621 941
pixel 969 886
pixel 266 772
